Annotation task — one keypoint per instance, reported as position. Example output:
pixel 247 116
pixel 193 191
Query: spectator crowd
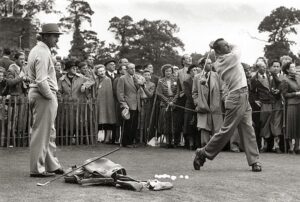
pixel 183 107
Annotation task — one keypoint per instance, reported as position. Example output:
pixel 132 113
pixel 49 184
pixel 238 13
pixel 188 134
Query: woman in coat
pixel 290 89
pixel 167 92
pixel 105 102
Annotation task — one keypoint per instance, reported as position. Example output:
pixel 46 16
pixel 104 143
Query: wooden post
pixel 86 123
pixel 9 109
pixel 95 115
pixel 71 121
pixel 81 118
pixel 29 124
pixel 284 125
pixel 2 139
pixel 77 122
pixel 62 122
pixel 67 121
pixel 20 120
pixel 57 122
pixel 92 135
pixel 14 120
pixel 24 122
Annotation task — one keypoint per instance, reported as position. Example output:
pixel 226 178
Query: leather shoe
pixel 59 171
pixel 291 151
pixel 256 167
pixel 264 150
pixel 130 146
pixel 277 151
pixel 43 174
pixel 199 159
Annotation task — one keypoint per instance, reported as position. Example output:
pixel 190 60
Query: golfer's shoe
pixel 256 167
pixel 43 174
pixel 59 171
pixel 199 159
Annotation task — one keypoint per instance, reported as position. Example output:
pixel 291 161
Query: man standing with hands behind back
pixel 238 112
pixel 43 103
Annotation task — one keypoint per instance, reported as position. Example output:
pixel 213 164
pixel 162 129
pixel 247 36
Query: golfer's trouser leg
pixel 42 143
pixel 235 140
pixel 205 137
pixel 248 138
pixel 234 106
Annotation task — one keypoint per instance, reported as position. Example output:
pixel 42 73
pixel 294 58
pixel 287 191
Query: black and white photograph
pixel 150 100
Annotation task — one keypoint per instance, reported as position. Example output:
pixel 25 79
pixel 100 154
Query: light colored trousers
pixel 42 142
pixel 238 115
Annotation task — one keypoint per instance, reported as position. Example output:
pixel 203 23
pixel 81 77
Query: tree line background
pixel 145 41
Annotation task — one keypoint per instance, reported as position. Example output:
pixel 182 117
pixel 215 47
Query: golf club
pixel 48 182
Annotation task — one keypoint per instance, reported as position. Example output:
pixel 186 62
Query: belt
pixel 36 89
pixel 240 90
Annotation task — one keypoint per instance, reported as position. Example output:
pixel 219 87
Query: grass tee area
pixel 227 178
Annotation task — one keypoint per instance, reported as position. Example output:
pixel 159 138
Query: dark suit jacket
pixel 127 92
pixel 111 78
pixel 154 79
pixel 261 91
pixel 188 85
pixel 5 62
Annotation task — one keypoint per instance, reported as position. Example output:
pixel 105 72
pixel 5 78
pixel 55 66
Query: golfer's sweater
pixel 40 70
pixel 231 70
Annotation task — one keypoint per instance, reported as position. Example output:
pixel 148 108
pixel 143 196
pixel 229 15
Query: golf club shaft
pixel 39 184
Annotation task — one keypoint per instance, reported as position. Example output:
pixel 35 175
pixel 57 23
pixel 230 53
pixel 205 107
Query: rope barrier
pixel 193 110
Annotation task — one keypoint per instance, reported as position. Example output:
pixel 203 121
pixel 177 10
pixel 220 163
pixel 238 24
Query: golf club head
pixel 42 184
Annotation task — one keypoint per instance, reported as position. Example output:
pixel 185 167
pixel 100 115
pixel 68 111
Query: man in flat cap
pixel 43 103
pixel 238 112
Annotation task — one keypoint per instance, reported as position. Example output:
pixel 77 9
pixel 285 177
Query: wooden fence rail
pixel 76 122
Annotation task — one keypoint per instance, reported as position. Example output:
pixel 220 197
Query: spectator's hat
pixel 139 69
pixel 191 67
pixel 109 61
pixel 125 113
pixel 82 64
pixel 69 64
pixel 50 28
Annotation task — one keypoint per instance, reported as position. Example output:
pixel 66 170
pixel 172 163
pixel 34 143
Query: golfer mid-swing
pixel 238 112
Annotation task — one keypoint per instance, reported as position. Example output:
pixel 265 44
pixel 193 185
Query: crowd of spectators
pixel 183 106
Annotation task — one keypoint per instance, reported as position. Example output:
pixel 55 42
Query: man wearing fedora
pixel 43 103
